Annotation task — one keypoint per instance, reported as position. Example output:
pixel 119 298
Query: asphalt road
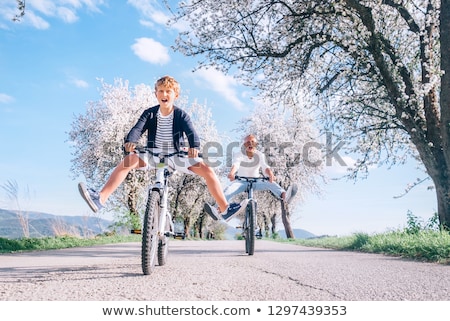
pixel 217 271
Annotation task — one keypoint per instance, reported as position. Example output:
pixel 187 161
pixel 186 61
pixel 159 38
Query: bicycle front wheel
pixel 150 238
pixel 249 227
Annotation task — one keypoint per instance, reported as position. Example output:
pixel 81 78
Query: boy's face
pixel 166 96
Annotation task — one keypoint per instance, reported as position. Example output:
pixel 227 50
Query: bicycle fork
pixel 162 187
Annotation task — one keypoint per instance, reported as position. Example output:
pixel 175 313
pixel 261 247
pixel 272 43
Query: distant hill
pixel 43 224
pixel 298 233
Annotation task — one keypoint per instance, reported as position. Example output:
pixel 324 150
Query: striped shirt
pixel 164 134
pixel 148 122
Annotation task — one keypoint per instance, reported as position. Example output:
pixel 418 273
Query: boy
pixel 248 164
pixel 165 125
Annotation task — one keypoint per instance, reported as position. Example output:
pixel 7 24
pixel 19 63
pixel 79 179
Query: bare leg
pixel 214 187
pixel 119 174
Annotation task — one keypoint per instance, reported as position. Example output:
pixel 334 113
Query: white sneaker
pixel 212 211
pixel 290 193
pixel 234 209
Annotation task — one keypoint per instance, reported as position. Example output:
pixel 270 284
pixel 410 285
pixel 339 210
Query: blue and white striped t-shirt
pixel 164 133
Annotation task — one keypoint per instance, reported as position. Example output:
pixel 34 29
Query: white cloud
pixel 340 169
pixel 5 99
pixel 151 51
pixel 67 15
pixel 146 23
pixel 36 21
pixel 149 10
pixel 53 7
pixel 46 7
pixel 155 15
pixel 38 11
pixel 79 83
pixel 159 17
pixel 223 84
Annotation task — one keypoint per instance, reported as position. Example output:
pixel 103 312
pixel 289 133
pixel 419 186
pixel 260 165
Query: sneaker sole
pixel 242 209
pixel 208 209
pixel 293 193
pixel 85 195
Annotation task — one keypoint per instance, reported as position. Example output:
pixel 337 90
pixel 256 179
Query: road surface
pixel 217 271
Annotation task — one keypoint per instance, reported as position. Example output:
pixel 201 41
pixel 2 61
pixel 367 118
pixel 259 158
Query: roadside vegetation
pixel 423 241
pixel 427 246
pixel 419 241
pixel 60 242
pixel 423 245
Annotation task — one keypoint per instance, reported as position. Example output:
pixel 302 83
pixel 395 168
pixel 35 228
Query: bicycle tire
pixel 163 245
pixel 249 228
pixel 150 240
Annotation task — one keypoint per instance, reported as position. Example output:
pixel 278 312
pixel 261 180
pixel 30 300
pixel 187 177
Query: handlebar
pixel 143 149
pixel 251 179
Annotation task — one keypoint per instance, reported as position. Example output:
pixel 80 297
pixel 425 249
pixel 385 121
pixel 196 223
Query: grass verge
pixel 427 246
pixel 59 242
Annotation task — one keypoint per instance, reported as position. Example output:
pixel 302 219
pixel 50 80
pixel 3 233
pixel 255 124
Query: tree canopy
pixel 375 73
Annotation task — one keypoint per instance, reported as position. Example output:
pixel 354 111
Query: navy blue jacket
pixel 181 124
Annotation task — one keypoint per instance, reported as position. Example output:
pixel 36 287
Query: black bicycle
pixel 249 224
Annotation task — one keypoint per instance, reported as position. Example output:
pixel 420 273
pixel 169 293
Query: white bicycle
pixel 157 225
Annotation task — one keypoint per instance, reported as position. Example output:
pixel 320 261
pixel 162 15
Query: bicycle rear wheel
pixel 163 245
pixel 150 239
pixel 249 227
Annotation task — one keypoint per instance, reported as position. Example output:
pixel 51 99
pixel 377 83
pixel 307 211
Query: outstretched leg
pixel 131 161
pixel 95 199
pixel 225 210
pixel 214 187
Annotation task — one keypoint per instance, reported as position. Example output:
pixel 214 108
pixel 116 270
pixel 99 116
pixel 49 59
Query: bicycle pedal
pixel 136 232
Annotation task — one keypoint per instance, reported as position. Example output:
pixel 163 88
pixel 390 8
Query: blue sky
pixel 49 65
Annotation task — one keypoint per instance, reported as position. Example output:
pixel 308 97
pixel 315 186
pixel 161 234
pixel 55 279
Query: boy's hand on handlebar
pixel 129 147
pixel 231 176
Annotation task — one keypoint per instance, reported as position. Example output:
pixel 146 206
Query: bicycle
pixel 157 225
pixel 249 224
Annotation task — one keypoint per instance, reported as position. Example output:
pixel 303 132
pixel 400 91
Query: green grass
pixel 51 243
pixel 423 245
pixel 427 246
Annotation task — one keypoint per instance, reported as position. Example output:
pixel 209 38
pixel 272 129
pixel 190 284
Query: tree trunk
pixel 273 221
pixel 187 227
pixel 443 184
pixel 265 227
pixel 443 201
pixel 285 217
pixel 131 197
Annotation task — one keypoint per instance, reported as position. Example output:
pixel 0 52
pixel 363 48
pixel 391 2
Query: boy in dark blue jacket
pixel 165 125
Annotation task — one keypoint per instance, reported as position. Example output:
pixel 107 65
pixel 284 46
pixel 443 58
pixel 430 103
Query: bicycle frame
pixel 250 213
pixel 157 220
pixel 161 185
